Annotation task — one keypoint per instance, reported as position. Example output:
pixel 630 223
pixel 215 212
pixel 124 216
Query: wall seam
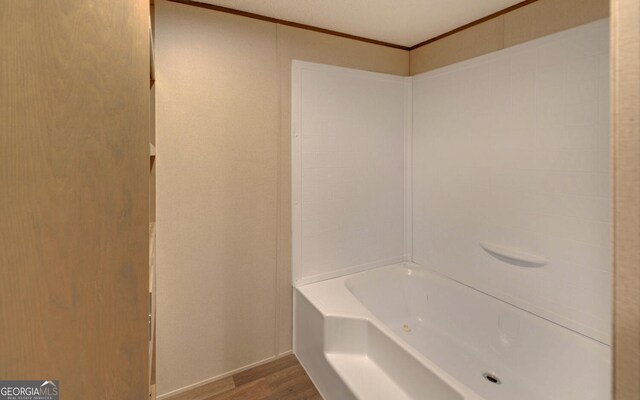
pixel 502 33
pixel 411 56
pixel 276 342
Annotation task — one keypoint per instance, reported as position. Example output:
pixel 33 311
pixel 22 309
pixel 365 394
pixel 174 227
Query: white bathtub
pixel 402 332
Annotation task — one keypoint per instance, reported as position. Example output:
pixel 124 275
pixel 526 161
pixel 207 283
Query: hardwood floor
pixel 282 379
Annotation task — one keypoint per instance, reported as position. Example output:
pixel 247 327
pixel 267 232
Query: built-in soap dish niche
pixel 514 256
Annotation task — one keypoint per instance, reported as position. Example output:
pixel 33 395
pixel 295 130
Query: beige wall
pixel 217 192
pixel 224 183
pixel 530 22
pixel 626 146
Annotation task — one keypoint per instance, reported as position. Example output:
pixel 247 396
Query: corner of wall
pixel 408 168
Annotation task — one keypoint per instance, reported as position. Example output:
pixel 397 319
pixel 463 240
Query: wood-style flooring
pixel 282 379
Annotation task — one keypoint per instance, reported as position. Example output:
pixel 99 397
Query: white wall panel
pixel 348 170
pixel 512 148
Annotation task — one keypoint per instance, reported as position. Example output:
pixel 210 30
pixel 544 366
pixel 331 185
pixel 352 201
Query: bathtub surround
pixel 510 197
pixel 512 149
pixel 349 131
pixel 299 44
pixel 186 259
pixel 508 151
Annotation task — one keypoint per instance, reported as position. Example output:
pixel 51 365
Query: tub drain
pixel 491 378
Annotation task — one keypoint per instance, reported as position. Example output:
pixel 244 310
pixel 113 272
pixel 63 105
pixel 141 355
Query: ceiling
pixel 401 22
